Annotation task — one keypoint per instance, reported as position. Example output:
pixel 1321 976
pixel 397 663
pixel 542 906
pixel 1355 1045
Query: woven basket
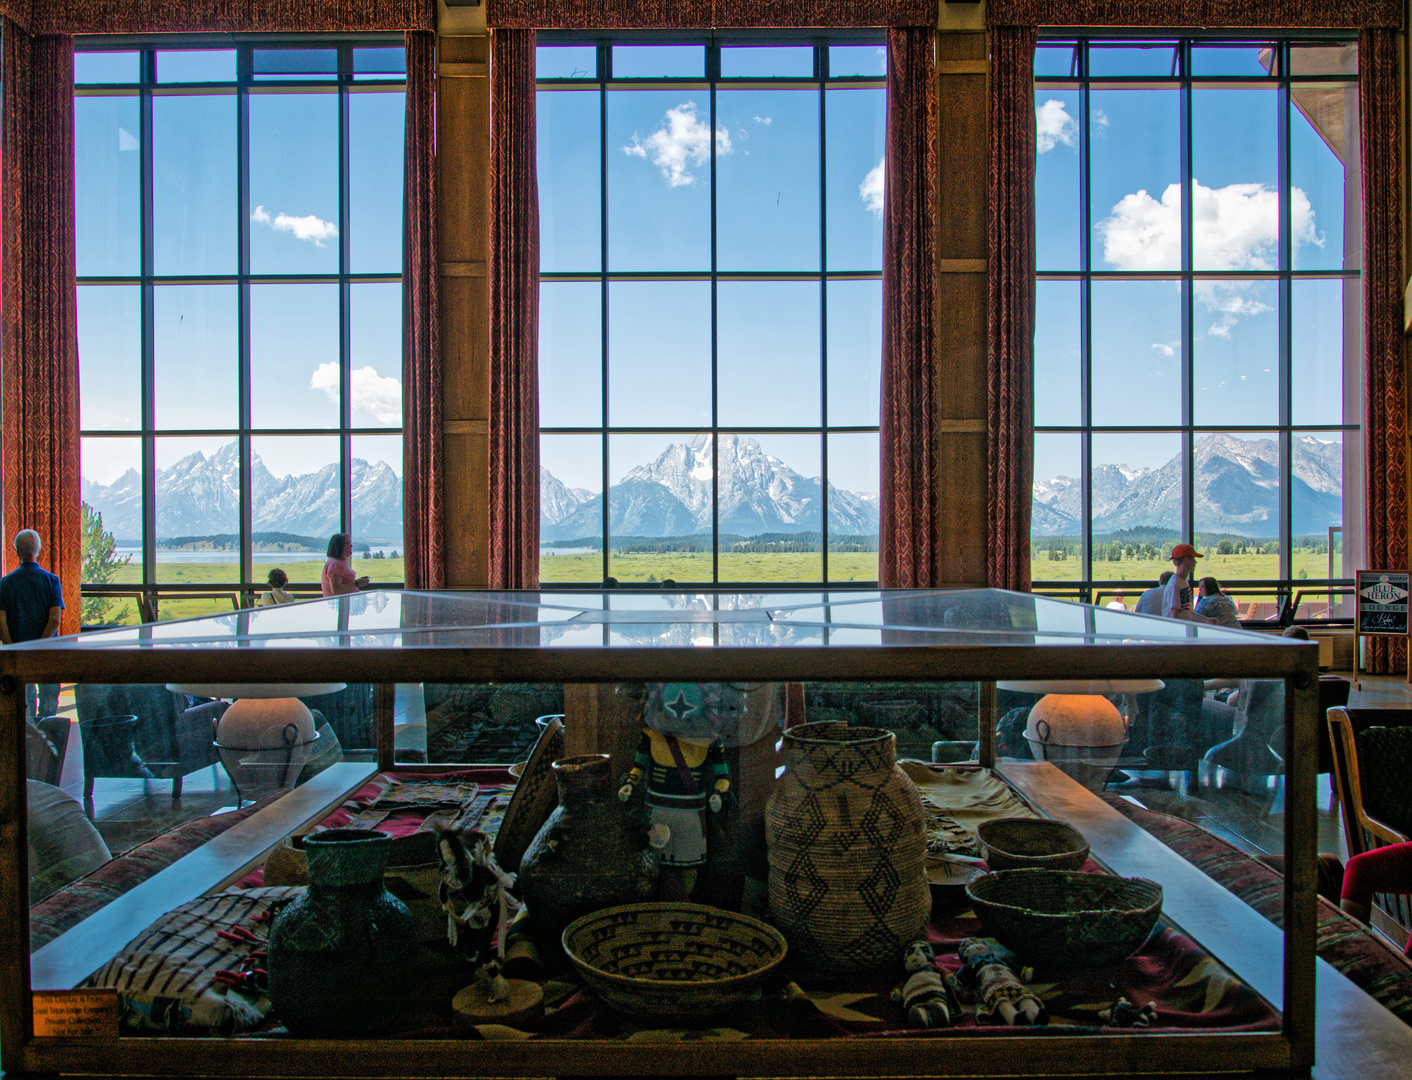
pixel 672 960
pixel 1020 843
pixel 1053 917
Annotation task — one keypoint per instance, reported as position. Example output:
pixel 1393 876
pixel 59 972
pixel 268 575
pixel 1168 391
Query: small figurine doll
pixel 1124 1014
pixel 995 973
pixel 475 894
pixel 685 776
pixel 929 997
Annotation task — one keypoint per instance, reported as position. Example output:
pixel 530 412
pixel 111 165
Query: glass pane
pixel 659 180
pixel 1056 509
pixel 1058 383
pixel 570 354
pixel 1131 58
pixel 194 327
pixel 1056 61
pixel 570 170
pixel 767 355
pixel 1236 480
pixel 296 63
pixel 854 474
pixel 196 66
pixel 770 500
pixel 659 354
pixel 1235 207
pixel 570 508
pixel 294 183
pixel 385 61
pixel 1324 200
pixel 376 165
pixel 107 185
pixel 1324 58
pixel 107 67
pixel 110 356
pixel 754 61
pixel 660 507
pixel 1135 372
pixel 853 173
pixel 194 184
pixel 850 60
pixel 111 471
pixel 658 61
pixel 1236 353
pixel 1135 179
pixel 773 151
pixel 198 510
pixel 1325 318
pixel 294 332
pixel 295 493
pixel 377 506
pixel 1316 496
pixel 1243 60
pixel 375 312
pixel 854 353
pixel 1137 483
pixel 566 61
pixel 1057 198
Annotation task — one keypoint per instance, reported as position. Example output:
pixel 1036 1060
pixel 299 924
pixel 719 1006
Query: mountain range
pixel 200 496
pixel 672 496
pixel 1236 490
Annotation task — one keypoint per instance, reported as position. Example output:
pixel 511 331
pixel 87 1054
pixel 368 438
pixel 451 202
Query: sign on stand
pixel 1380 608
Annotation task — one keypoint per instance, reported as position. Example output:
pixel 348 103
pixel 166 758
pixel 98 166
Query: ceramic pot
pixel 340 956
pixel 846 839
pixel 591 853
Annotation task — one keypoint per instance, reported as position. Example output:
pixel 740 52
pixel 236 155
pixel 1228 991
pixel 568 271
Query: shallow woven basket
pixel 1020 843
pixel 1066 917
pixel 672 960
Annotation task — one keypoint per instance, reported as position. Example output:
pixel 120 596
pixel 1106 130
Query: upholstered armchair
pixel 143 731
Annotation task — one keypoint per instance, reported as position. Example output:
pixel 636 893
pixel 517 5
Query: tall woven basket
pixel 847 852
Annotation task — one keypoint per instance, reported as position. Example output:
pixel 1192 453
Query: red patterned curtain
pixel 908 556
pixel 1210 14
pixel 422 462
pixel 1010 346
pixel 228 16
pixel 39 420
pixel 704 14
pixel 1385 377
pixel 514 314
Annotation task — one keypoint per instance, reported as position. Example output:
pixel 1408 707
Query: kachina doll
pixel 929 997
pixel 685 775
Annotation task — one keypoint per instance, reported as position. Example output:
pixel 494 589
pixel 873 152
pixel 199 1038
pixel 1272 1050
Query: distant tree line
pixel 260 541
pixel 1154 544
pixel 764 543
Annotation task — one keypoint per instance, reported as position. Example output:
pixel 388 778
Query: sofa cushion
pixel 63 844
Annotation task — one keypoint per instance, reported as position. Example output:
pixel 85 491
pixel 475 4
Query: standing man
pixel 1176 594
pixel 30 601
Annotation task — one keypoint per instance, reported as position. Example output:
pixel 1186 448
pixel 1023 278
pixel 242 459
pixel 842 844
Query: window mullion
pixel 243 361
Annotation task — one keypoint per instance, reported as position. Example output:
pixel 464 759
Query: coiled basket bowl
pixel 1032 843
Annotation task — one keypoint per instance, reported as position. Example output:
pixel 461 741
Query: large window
pixel 710 308
pixel 239 305
pixel 1197 330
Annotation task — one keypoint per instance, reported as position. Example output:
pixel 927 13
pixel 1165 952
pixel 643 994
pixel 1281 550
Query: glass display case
pixel 1048 701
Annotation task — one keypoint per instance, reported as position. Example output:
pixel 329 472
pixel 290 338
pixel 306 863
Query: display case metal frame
pixel 486 637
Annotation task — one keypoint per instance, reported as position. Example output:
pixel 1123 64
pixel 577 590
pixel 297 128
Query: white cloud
pixel 871 189
pixel 681 143
pixel 311 228
pixel 1166 348
pixel 1054 125
pixel 379 396
pixel 1232 300
pixel 766 120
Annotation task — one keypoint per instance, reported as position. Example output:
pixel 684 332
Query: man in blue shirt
pixel 30 601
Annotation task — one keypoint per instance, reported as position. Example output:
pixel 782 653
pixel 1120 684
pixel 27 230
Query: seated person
pixel 1214 604
pixel 278 579
pixel 1385 869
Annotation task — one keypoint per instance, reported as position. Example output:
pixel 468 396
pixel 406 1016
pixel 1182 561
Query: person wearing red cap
pixel 1176 594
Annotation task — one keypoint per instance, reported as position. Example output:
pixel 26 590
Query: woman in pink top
pixel 338 576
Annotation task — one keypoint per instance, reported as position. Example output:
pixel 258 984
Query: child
pixel 278 579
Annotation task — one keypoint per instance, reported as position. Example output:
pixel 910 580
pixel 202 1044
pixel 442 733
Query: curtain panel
pixel 908 540
pixel 422 462
pixel 1232 14
pixel 705 14
pixel 39 405
pixel 1010 337
pixel 1385 377
pixel 514 314
pixel 228 16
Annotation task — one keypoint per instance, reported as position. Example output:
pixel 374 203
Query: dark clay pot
pixel 340 955
pixel 591 853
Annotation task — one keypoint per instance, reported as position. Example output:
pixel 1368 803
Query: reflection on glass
pixel 854 352
pixel 1133 58
pixel 295 64
pixel 1324 58
pixel 1136 364
pixel 193 198
pixel 197 531
pixel 767 187
pixel 1135 179
pixel 375 348
pixel 110 356
pixel 570 206
pixel 1056 508
pixel 1235 180
pixel 757 61
pixel 195 65
pixel 194 327
pixel 384 61
pixel 570 353
pixel 565 61
pixel 853 176
pixel 107 67
pixel 1325 316
pixel 1245 59
pixel 1058 234
pixel 294 493
pixel 1058 60
pixel 107 178
pixel 854 481
pixel 853 60
pixel 658 61
pixel 375 175
pixel 659 353
pixel 377 505
pixel 294 372
pixel 660 507
pixel 767 353
pixel 570 508
pixel 1057 383
pixel 1323 134
pixel 294 183
pixel 1235 353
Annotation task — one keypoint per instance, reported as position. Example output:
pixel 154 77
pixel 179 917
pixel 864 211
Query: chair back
pixel 1368 745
